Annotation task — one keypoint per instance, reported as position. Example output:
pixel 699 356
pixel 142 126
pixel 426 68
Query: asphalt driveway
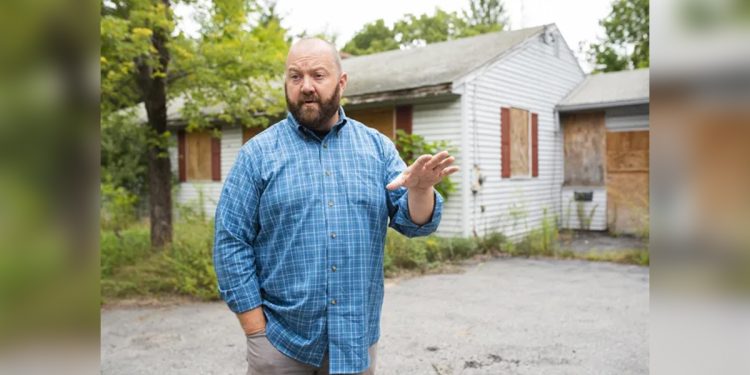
pixel 502 316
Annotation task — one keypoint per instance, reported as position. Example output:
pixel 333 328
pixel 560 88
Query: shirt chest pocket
pixel 364 183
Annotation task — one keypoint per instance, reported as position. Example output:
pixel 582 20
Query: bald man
pixel 301 226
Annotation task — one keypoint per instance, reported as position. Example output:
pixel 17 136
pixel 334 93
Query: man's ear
pixel 342 82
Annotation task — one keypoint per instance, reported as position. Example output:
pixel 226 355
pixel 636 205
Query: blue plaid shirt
pixel 300 230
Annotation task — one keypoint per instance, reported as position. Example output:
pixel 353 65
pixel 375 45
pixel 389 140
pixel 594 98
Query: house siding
pixel 442 122
pixel 595 210
pixel 535 78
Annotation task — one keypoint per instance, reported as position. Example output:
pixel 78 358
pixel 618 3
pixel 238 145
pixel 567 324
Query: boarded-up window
pixel 382 119
pixel 199 156
pixel 584 139
pixel 519 143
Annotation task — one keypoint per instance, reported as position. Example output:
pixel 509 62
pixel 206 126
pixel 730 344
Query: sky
pixel 578 20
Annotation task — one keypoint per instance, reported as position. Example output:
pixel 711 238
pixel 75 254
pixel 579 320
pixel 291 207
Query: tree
pixel 230 67
pixel 483 16
pixel 374 37
pixel 626 45
pixel 425 29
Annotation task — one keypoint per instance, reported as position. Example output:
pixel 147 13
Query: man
pixel 301 225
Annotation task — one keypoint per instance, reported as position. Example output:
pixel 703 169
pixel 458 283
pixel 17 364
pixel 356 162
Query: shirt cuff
pixel 402 219
pixel 243 298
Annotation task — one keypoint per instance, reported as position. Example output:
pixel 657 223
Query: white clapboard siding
pixel 596 210
pixel 442 122
pixel 535 78
pixel 208 192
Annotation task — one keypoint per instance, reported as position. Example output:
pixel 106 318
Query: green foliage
pixel 484 16
pixel 190 263
pixel 405 253
pixel 626 44
pixel 374 37
pixel 124 147
pixel 131 246
pixel 412 146
pixel 118 207
pixel 226 74
pixel 130 268
pixel 540 241
pixel 584 220
pixel 411 30
pixel 494 241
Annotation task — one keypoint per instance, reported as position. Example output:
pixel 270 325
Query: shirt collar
pixel 303 131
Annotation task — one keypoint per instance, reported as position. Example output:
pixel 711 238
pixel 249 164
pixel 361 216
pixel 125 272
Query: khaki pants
pixel 264 359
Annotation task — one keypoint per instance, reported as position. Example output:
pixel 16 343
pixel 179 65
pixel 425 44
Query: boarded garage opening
pixel 627 181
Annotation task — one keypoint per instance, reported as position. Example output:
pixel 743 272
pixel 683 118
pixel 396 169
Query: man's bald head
pixel 314 46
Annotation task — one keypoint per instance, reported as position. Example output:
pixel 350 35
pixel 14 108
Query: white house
pixel 495 97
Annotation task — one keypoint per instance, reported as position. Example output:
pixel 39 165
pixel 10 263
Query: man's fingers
pixel 420 162
pixel 437 159
pixel 444 164
pixel 397 182
pixel 448 171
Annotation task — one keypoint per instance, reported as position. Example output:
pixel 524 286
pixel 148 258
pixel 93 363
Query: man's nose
pixel 307 87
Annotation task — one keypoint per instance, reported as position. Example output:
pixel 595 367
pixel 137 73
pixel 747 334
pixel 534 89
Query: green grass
pixel 130 268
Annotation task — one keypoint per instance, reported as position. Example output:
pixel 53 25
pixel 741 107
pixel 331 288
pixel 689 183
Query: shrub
pixel 412 146
pixel 405 253
pixel 190 263
pixel 461 248
pixel 117 207
pixel 493 241
pixel 129 247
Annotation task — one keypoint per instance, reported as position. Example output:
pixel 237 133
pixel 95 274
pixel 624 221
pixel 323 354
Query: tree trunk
pixel 154 90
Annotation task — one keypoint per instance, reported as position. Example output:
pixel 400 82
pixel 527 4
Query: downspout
pixel 465 162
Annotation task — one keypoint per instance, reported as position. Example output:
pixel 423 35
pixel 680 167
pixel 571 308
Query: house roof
pixel 608 90
pixel 430 65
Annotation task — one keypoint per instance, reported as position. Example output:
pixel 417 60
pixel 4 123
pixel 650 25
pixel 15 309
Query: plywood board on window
pixel 198 155
pixel 381 119
pixel 627 151
pixel 519 143
pixel 585 141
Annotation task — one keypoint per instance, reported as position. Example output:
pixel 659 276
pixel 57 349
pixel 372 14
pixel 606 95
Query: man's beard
pixel 311 117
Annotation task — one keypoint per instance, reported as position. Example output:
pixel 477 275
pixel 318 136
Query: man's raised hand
pixel 425 172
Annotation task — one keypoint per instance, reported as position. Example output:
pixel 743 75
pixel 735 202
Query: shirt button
pixel 328 173
pixel 333 268
pixel 333 234
pixel 325 145
pixel 333 302
pixel 330 203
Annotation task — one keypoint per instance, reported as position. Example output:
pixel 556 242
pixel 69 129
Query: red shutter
pixel 182 171
pixel 216 158
pixel 505 142
pixel 403 118
pixel 534 145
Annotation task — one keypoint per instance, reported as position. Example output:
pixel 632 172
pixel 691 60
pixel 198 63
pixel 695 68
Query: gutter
pixel 600 105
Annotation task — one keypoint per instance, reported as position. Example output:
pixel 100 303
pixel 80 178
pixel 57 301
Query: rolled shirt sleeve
pixel 398 200
pixel 236 226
